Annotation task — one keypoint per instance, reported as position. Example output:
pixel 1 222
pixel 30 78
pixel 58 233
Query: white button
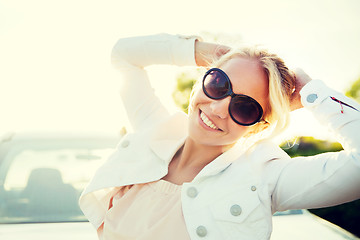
pixel 235 210
pixel 201 231
pixel 192 192
pixel 311 98
pixel 125 143
pixel 253 188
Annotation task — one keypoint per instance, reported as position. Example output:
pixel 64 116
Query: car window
pixel 44 184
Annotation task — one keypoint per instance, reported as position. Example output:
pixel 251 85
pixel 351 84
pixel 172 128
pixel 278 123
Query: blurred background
pixel 55 72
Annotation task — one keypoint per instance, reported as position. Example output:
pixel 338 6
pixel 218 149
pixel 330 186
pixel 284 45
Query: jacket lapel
pixel 169 136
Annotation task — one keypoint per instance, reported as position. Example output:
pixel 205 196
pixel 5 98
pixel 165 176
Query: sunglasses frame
pixel 233 95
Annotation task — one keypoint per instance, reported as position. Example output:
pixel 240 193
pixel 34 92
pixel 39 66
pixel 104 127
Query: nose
pixel 220 107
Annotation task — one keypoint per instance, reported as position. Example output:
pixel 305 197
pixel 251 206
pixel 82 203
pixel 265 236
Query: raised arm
pixel 325 179
pixel 130 56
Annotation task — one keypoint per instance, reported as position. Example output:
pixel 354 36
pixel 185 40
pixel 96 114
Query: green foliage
pixel 184 85
pixel 308 146
pixel 354 91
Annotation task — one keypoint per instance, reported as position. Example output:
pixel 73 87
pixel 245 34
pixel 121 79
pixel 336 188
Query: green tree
pixel 184 84
pixel 309 146
pixel 354 90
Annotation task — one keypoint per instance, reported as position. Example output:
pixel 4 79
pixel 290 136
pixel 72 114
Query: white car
pixel 42 176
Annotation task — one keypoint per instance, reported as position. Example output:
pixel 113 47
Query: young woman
pixel 214 173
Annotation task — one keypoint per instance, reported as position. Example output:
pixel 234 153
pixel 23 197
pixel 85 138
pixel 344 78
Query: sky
pixel 55 72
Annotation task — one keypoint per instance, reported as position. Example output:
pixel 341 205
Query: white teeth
pixel 207 121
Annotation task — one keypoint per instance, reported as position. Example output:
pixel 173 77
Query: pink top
pixel 145 211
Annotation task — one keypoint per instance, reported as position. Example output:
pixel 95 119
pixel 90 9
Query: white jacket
pixel 234 196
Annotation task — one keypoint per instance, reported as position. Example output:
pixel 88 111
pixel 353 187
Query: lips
pixel 208 122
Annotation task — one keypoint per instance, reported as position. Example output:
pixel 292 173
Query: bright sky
pixel 54 55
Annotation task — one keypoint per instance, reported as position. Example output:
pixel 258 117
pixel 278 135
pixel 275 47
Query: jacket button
pixel 311 98
pixel 253 188
pixel 125 143
pixel 201 231
pixel 235 210
pixel 192 192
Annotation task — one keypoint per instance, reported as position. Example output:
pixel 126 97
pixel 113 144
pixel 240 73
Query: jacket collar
pixel 169 136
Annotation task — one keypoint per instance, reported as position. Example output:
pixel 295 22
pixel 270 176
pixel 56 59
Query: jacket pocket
pixel 236 206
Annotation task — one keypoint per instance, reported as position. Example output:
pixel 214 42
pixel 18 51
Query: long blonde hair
pixel 281 86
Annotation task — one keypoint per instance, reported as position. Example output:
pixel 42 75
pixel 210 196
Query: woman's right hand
pixel 206 53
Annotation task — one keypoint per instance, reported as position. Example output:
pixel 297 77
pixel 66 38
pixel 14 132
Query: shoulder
pixel 267 151
pixel 267 161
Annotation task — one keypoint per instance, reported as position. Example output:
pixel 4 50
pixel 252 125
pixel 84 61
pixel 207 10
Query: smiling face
pixel 210 122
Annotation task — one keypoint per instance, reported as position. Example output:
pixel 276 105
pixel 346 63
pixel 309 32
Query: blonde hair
pixel 281 86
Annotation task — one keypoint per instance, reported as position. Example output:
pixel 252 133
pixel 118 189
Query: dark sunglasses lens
pixel 245 110
pixel 215 84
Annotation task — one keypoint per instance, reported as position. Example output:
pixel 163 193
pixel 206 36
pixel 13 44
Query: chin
pixel 211 140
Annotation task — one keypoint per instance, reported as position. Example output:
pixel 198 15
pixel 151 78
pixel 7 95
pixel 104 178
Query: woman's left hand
pixel 301 79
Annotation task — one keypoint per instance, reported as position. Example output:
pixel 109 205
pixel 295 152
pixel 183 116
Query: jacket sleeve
pixel 326 179
pixel 130 56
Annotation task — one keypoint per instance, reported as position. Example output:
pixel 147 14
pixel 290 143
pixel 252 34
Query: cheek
pixel 198 97
pixel 236 131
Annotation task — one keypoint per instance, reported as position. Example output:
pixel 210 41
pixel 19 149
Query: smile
pixel 208 122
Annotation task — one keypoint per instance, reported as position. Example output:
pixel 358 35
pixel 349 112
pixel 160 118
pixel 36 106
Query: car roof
pixel 55 139
pixel 14 136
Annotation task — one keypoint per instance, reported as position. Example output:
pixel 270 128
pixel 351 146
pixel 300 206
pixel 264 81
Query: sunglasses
pixel 244 110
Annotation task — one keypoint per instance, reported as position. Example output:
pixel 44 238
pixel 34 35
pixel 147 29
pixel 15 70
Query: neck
pixel 190 159
pixel 196 156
